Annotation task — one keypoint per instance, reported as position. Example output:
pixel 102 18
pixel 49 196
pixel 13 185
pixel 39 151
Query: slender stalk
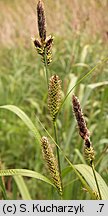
pixel 3 189
pixel 93 169
pixel 57 149
pixel 56 139
pixel 46 67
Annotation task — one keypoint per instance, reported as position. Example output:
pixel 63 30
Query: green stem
pixel 3 189
pixel 56 139
pixel 93 169
pixel 57 149
pixel 46 67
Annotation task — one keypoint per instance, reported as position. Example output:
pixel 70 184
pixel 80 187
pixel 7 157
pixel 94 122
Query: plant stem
pixel 57 149
pixel 56 139
pixel 3 189
pixel 93 169
pixel 46 67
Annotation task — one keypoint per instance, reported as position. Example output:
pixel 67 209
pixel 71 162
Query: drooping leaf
pixel 24 118
pixel 25 172
pixel 87 173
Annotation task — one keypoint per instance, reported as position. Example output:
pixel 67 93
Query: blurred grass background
pixel 80 30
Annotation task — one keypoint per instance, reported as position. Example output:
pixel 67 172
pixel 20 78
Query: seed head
pixel 89 153
pixel 41 20
pixel 51 163
pixel 54 96
pixel 49 42
pixel 44 46
pixel 83 131
pixel 37 43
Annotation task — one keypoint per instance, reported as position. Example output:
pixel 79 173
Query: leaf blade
pixel 24 118
pixel 27 173
pixel 22 187
pixel 87 173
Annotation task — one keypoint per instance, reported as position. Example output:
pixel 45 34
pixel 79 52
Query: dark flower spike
pixel 37 43
pixel 49 42
pixel 41 21
pixel 44 46
pixel 83 130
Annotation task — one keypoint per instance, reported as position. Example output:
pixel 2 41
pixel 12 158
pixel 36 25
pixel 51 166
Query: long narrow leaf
pixel 24 118
pixel 22 187
pixel 87 174
pixel 25 172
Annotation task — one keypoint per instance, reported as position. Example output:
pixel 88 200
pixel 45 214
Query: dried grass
pixel 18 19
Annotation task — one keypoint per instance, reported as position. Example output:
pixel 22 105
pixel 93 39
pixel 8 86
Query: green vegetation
pixel 23 84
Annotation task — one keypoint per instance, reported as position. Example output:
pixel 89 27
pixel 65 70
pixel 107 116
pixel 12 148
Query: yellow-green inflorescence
pixel 44 45
pixel 54 96
pixel 51 162
pixel 83 131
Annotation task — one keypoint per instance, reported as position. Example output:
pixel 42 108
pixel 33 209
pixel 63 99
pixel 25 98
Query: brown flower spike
pixel 44 46
pixel 41 20
pixel 54 96
pixel 51 163
pixel 83 131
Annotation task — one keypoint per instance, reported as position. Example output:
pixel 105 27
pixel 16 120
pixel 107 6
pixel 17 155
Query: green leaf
pixel 66 170
pixel 2 187
pixel 78 153
pixel 87 173
pixel 24 118
pixel 25 172
pixel 22 187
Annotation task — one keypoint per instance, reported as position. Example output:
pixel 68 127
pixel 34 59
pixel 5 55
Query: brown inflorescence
pixel 54 96
pixel 51 163
pixel 83 130
pixel 44 46
pixel 41 20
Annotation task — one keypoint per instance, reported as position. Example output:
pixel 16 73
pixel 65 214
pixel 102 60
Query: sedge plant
pixel 87 175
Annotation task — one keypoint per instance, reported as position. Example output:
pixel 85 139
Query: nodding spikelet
pixel 41 20
pixel 54 96
pixel 37 43
pixel 51 163
pixel 83 131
